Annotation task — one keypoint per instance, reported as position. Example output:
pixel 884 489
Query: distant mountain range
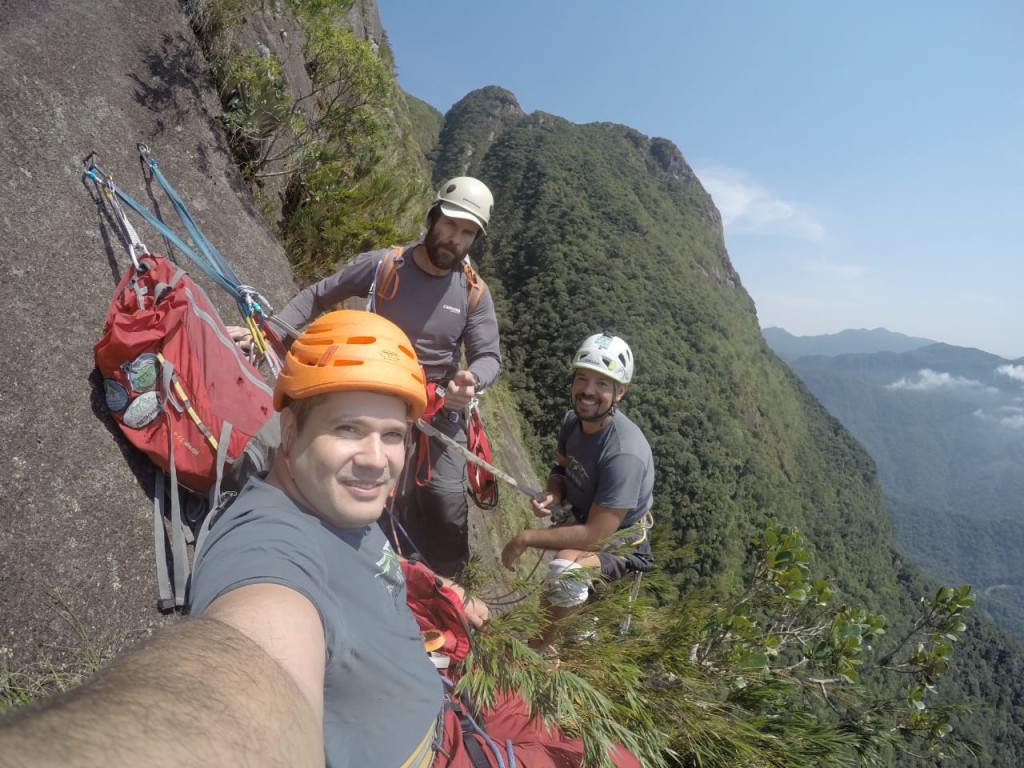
pixel 945 426
pixel 848 342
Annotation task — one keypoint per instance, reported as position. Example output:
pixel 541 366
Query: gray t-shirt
pixel 613 468
pixel 432 310
pixel 382 695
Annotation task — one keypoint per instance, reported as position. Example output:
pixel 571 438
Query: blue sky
pixel 867 157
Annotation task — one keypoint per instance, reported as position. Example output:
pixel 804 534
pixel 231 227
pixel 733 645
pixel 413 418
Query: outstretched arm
pixel 201 692
pixel 601 523
pixel 351 280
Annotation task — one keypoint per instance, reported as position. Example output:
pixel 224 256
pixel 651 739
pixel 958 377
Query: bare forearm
pixel 199 693
pixel 561 537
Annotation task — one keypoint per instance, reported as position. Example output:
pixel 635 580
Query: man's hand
pixel 541 504
pixel 477 611
pixel 460 390
pixel 241 336
pixel 515 547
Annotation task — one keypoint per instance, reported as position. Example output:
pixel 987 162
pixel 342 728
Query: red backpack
pixel 180 390
pixel 437 608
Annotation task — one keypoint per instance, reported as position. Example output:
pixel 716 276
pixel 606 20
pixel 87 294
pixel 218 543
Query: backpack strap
pixel 477 743
pixel 385 278
pixel 476 285
pixel 173 596
pixel 179 552
pixel 163 576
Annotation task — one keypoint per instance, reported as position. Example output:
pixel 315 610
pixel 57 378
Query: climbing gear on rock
pixel 174 381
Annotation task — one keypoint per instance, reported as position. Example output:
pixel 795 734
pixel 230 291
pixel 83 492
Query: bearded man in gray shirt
pixel 424 289
pixel 605 473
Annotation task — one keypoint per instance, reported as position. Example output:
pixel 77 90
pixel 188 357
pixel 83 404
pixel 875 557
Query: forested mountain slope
pixel 598 226
pixel 610 229
pixel 944 425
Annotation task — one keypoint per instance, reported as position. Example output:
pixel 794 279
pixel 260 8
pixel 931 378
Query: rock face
pixel 75 519
pixel 470 127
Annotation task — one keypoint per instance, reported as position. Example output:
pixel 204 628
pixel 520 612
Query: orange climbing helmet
pixel 352 350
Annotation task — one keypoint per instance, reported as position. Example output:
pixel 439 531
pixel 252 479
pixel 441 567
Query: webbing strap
pixel 476 285
pixel 222 459
pixel 385 278
pixel 163 576
pixel 476 752
pixel 182 404
pixel 132 242
pixel 179 549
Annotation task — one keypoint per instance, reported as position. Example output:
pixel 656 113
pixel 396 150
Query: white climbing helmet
pixel 607 354
pixel 465 198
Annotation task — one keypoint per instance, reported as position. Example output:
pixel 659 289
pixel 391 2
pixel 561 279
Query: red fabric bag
pixel 437 607
pixel 173 377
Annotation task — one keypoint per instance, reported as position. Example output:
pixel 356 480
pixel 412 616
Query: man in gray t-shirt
pixel 301 649
pixel 605 473
pixel 425 290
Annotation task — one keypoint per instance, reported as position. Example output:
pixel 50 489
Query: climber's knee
pixel 568 583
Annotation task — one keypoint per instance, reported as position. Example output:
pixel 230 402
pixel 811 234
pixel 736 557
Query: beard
pixel 441 255
pixel 590 411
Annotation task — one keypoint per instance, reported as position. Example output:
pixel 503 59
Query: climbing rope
pixel 255 309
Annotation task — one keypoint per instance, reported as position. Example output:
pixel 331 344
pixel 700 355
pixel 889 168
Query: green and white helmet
pixel 607 354
pixel 465 198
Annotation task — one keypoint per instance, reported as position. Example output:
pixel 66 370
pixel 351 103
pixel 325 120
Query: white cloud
pixel 749 208
pixel 1015 372
pixel 929 380
pixel 1013 420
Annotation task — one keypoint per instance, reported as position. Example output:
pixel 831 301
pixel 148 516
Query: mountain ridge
pixel 847 341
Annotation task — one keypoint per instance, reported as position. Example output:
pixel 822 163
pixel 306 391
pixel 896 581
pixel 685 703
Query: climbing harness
pixel 386 278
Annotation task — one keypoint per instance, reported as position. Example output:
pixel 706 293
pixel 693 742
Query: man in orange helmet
pixel 301 649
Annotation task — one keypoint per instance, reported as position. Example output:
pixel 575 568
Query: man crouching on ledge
pixel 301 650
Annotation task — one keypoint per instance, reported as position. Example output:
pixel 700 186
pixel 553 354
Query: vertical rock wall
pixel 78 76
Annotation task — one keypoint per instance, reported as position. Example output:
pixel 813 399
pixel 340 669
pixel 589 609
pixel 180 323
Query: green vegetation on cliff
pixel 318 125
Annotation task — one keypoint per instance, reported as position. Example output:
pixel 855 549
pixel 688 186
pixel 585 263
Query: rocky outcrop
pixel 75 520
pixel 364 19
pixel 470 127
